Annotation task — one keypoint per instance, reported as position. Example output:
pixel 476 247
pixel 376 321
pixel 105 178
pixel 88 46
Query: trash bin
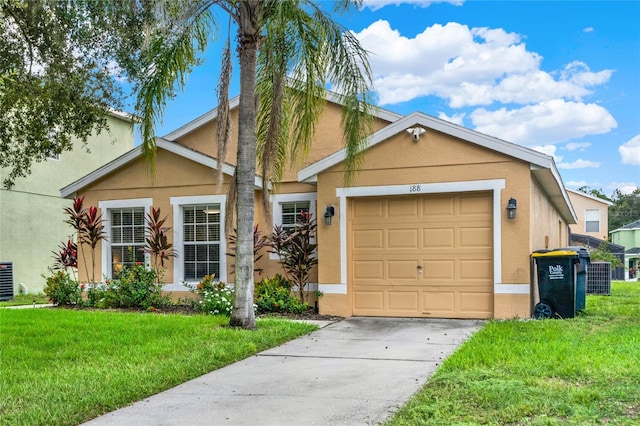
pixel 556 270
pixel 582 265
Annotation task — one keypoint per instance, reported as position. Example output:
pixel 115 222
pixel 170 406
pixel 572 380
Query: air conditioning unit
pixel 6 280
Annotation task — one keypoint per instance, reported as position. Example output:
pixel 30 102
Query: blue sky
pixel 559 77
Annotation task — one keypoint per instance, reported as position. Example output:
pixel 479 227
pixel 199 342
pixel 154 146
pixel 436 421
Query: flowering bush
pixel 216 300
pixel 274 295
pixel 62 290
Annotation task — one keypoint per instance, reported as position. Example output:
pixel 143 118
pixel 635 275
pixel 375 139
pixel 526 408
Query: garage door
pixel 422 255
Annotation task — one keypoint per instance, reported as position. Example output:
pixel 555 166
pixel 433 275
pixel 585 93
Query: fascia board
pixel 591 197
pixel 136 153
pixel 199 122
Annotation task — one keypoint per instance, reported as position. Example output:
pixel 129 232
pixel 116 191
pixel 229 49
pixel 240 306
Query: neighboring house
pixel 32 218
pixel 592 213
pixel 629 237
pixel 422 231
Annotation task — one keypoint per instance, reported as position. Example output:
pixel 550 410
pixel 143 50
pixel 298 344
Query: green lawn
pixel 25 299
pixel 63 366
pixel 580 371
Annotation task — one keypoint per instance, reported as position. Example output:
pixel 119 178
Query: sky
pixel 560 77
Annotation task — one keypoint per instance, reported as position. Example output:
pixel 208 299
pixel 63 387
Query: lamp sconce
pixel 328 214
pixel 511 208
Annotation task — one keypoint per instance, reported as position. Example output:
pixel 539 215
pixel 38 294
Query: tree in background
pixel 625 209
pixel 57 78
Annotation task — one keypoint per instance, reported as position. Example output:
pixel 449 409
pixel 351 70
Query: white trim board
pixel 494 185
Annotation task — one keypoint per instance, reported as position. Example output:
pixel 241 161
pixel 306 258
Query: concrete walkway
pixel 354 372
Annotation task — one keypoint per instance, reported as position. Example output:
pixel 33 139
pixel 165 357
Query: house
pixel 423 229
pixel 592 214
pixel 32 218
pixel 629 237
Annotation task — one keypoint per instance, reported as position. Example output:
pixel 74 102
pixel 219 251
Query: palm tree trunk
pixel 243 314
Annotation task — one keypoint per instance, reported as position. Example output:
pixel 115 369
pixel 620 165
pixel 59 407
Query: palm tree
pixel 288 50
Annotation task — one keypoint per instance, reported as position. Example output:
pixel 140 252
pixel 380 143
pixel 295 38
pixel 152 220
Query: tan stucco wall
pixel 548 229
pixel 582 203
pixel 435 158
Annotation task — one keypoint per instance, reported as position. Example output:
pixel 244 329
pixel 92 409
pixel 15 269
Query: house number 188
pixel 414 188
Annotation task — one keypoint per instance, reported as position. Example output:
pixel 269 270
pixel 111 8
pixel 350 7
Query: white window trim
pixel 178 238
pixel 586 220
pixel 276 208
pixel 105 206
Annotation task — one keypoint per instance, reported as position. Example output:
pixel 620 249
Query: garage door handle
pixel 419 269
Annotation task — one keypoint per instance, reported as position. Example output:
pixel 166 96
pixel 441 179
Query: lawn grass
pixel 63 366
pixel 25 299
pixel 580 371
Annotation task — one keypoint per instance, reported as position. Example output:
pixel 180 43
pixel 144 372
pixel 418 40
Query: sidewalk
pixel 354 372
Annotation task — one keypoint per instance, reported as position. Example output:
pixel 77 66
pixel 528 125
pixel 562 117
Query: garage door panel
pixel 368 208
pixel 403 207
pixel 480 303
pixel 402 269
pixel 403 301
pixel 475 204
pixel 402 238
pixel 438 303
pixel 475 269
pixel 438 237
pixel 368 270
pixel 368 239
pixel 370 301
pixel 435 206
pixel 475 237
pixel 438 269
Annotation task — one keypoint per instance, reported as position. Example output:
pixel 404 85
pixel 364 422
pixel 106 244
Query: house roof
pixel 591 197
pixel 136 153
pixel 233 103
pixel 628 227
pixel 635 250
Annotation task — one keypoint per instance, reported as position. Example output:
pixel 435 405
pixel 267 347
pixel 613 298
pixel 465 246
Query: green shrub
pixel 135 288
pixel 61 289
pixel 274 295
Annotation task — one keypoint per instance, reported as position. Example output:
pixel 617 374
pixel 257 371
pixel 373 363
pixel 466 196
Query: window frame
pixel 105 209
pixel 178 237
pixel 276 208
pixel 587 221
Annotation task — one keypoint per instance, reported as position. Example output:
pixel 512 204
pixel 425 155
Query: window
pixel 127 228
pixel 287 208
pixel 199 239
pixel 124 223
pixel 201 230
pixel 291 213
pixel 592 220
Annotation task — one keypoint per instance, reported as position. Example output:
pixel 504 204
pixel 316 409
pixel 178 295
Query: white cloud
pixel 548 122
pixel 379 4
pixel 588 30
pixel 630 151
pixel 549 150
pixel 579 164
pixel 455 118
pixel 623 187
pixel 468 67
pixel 572 146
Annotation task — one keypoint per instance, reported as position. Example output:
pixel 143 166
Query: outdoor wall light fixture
pixel 328 214
pixel 511 208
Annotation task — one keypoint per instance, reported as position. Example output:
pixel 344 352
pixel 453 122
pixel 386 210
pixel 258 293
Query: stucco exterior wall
pixel 582 203
pixel 31 213
pixel 435 158
pixel 548 229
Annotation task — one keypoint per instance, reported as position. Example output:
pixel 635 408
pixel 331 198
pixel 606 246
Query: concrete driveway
pixel 357 371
